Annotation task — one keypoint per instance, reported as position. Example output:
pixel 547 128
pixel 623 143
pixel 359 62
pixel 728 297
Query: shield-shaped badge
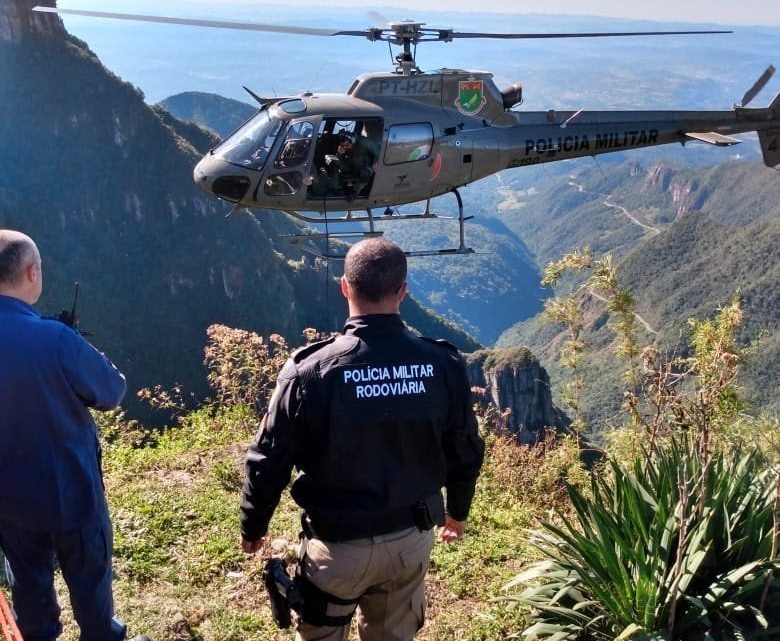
pixel 471 97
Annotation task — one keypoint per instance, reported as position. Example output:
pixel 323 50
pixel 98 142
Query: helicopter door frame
pixel 285 179
pixel 348 173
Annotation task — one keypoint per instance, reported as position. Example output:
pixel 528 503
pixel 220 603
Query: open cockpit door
pixel 287 174
pixel 345 159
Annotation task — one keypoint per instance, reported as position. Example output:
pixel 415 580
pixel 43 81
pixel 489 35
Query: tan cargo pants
pixel 386 572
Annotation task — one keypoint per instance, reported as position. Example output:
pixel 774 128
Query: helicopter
pixel 407 136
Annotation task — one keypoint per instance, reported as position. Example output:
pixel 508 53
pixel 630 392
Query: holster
pixel 429 511
pixel 301 596
pixel 282 592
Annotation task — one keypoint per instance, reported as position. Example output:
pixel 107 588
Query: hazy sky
pixel 752 12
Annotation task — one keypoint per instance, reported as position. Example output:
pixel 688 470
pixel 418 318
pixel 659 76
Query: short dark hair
pixel 375 268
pixel 13 259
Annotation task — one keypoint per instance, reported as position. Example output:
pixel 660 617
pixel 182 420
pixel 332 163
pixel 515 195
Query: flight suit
pixel 376 421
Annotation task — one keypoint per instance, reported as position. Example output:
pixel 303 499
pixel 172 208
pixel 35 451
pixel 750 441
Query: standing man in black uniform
pixel 376 420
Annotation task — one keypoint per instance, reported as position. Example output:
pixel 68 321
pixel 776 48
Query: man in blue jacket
pixel 52 502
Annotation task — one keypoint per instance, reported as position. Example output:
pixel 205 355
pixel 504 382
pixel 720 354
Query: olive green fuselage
pixel 431 133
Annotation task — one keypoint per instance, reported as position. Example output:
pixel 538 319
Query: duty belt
pixel 424 514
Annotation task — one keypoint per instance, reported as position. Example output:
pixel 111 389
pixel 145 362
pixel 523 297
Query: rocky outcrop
pixel 514 381
pixel 17 20
pixel 683 188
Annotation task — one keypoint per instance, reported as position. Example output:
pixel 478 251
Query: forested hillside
pixel 687 241
pixel 104 184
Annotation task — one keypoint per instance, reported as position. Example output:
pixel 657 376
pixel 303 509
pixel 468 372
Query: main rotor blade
pixel 219 24
pixel 757 86
pixel 372 34
pixel 606 34
pixel 378 20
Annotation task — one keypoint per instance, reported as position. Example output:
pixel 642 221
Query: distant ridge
pixel 220 115
pixel 104 184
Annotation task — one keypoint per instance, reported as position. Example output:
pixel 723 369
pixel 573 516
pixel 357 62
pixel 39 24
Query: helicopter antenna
pixel 316 76
pixel 261 101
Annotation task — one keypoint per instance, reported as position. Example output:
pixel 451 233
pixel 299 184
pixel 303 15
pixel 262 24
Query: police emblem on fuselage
pixel 471 97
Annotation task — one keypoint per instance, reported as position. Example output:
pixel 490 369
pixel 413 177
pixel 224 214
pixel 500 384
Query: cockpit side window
pixel 251 144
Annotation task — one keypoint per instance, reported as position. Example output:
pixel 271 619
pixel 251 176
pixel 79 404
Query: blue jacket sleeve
pixel 93 378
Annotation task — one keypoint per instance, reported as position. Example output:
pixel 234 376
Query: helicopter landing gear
pixel 303 240
pixel 461 248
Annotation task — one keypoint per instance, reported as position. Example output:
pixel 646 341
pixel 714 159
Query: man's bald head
pixel 20 266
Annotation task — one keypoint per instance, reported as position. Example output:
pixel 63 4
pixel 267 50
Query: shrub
pixel 535 475
pixel 242 366
pixel 676 546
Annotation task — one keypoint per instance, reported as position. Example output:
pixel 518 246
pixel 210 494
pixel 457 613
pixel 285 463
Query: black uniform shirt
pixel 374 420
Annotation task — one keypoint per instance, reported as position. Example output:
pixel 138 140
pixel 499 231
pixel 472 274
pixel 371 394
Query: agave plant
pixel 681 546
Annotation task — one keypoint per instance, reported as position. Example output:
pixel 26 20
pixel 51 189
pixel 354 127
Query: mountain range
pixel 103 183
pixel 685 240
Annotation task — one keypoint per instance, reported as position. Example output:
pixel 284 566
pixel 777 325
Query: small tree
pixel 567 310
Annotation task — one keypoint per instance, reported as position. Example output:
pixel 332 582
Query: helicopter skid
pixel 372 232
pixel 367 218
pixel 295 239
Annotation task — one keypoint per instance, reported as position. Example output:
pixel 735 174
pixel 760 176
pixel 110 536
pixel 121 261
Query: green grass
pixel 180 573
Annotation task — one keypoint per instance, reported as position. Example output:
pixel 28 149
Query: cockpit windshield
pixel 250 145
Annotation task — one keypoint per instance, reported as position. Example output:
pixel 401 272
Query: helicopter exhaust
pixel 512 95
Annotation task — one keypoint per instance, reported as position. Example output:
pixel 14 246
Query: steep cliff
pixel 733 193
pixel 514 380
